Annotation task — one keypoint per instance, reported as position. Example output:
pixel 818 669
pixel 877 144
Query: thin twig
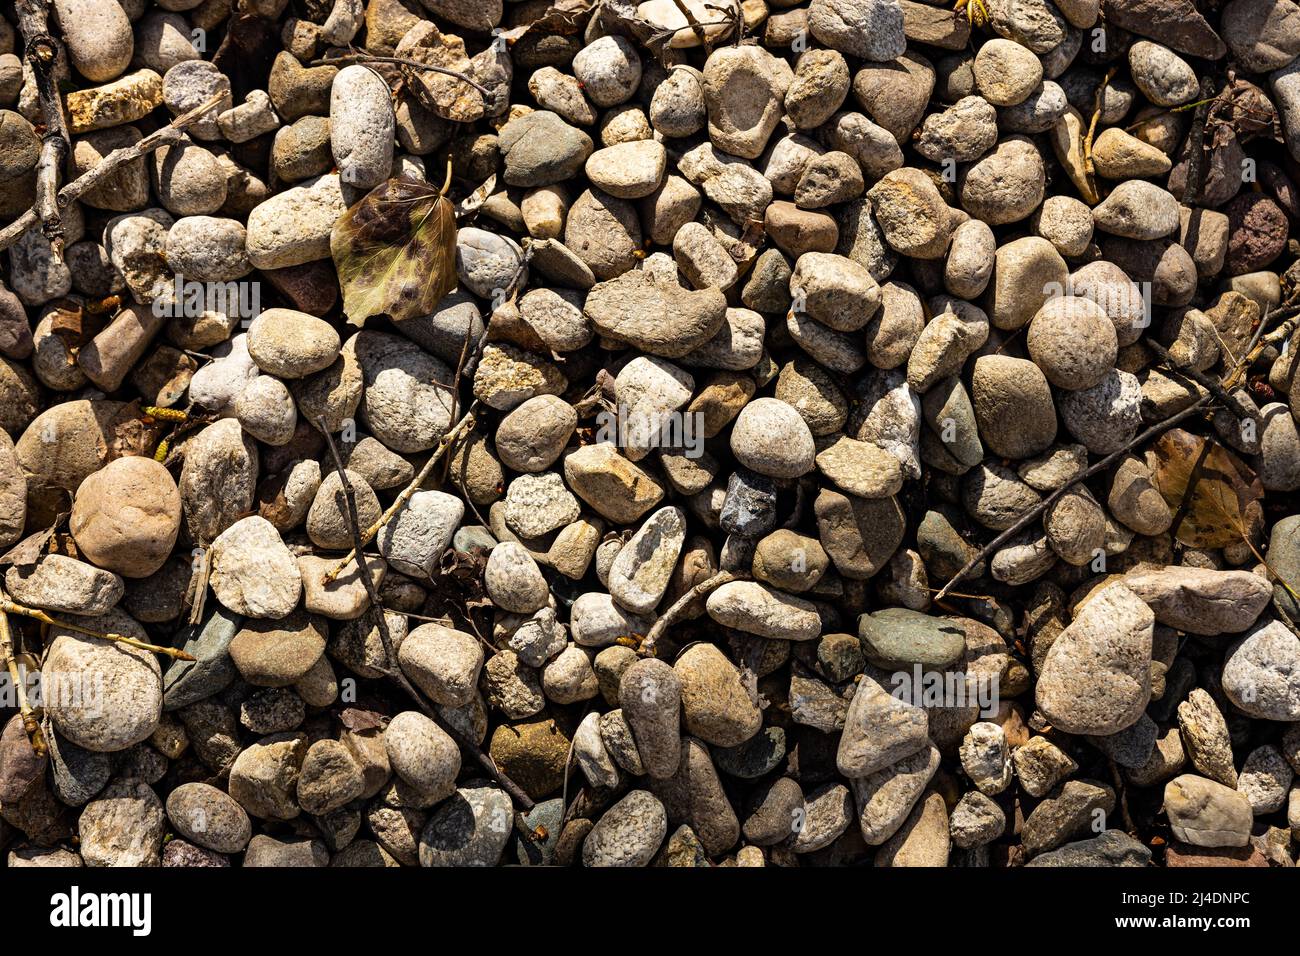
pixel 1259 341
pixel 10 607
pixel 361 56
pixel 680 606
pixel 1088 168
pixel 1033 514
pixel 694 23
pixel 25 711
pixel 1234 402
pixel 1195 180
pixel 464 426
pixel 391 668
pixel 167 136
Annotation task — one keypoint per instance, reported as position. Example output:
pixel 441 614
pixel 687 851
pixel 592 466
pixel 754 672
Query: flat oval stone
pixel 897 638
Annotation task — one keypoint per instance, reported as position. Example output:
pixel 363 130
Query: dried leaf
pixel 395 251
pixel 471 203
pixel 562 19
pixel 1223 496
pixel 359 721
pixel 66 321
pixel 27 551
pixel 128 434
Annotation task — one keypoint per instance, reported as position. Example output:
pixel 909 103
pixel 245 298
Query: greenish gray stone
pixel 898 638
pixel 211 671
pixel 1112 848
pixel 755 757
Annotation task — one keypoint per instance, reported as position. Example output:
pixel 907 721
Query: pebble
pixel 126 517
pixel 609 70
pixel 1013 406
pixel 513 579
pixel 540 148
pixel 1067 811
pixel 123 827
pixel 1096 677
pixel 1265 779
pixel 1112 848
pixel 771 438
pixel 640 574
pixel 779 808
pixel 209 817
pixel 976 821
pixel 64 585
pixel 344 598
pixel 1163 77
pixel 1258 673
pixel 102 696
pixel 280 652
pixel 757 609
pixel 1201 601
pixel 97 36
pixel 444 663
pixel 291 344
pixel 1073 341
pixel 1136 209
pixel 422 754
pixel 693 796
pixel 650 693
pixel 361 126
pixel 1105 416
pixel 884 799
pixel 869 29
pixel 470 828
pixel 879 731
pixel 716 706
pixel 912 214
pixel 124 100
pixel 628 170
pixel 1204 813
pixel 1006 72
pixel 628 833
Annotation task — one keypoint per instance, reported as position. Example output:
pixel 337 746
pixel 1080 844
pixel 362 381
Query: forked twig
pixel 1036 512
pixel 37 615
pixel 31 725
pixel 361 56
pixel 167 136
pixel 391 668
pixel 42 51
pixel 681 605
pixel 462 427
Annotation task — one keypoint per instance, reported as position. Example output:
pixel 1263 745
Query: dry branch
pixel 680 606
pixel 167 136
pixel 391 667
pixel 361 56
pixel 42 51
pixel 1035 513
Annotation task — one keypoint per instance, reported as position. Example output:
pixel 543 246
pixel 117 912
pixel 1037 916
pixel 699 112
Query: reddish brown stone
pixel 312 287
pixel 1184 854
pixel 1257 231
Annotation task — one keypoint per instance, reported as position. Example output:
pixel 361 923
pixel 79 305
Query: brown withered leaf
pixel 562 19
pixel 1224 493
pixel 359 721
pixel 395 251
pixel 126 433
pixel 29 550
pixel 472 203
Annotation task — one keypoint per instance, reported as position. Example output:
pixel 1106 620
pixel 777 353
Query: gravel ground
pixel 845 433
